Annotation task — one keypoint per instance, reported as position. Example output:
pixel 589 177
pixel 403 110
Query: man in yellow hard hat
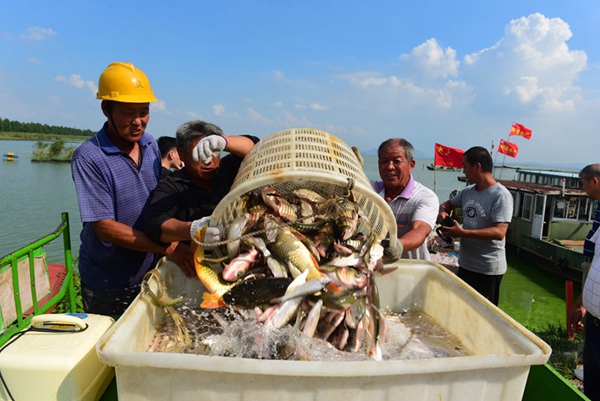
pixel 114 173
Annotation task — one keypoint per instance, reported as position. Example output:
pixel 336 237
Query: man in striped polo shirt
pixel 414 205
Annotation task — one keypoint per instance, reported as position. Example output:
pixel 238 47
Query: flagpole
pixel 502 170
pixel 495 156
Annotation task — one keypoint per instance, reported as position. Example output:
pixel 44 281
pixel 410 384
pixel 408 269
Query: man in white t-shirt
pixel 588 303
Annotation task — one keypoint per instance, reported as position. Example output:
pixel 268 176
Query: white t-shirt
pixel 591 287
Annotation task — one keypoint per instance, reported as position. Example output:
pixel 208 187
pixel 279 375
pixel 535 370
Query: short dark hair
pixel 479 154
pixel 590 171
pixel 165 144
pixel 195 128
pixel 409 150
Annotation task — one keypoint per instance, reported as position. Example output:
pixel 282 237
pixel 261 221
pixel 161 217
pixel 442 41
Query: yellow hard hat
pixel 123 82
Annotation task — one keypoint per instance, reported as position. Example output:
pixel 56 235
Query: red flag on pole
pixel 520 130
pixel 447 156
pixel 508 148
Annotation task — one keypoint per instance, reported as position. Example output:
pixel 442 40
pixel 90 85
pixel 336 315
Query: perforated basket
pixel 306 158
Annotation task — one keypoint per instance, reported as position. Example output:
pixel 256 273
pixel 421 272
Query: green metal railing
pixel 67 286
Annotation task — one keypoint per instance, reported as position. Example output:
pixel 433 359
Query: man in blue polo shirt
pixel 114 173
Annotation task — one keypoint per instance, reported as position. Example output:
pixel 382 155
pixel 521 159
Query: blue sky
pixel 456 73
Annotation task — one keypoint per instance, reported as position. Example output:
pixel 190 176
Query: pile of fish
pixel 298 259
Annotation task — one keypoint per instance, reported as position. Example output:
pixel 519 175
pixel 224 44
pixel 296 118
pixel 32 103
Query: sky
pixel 456 73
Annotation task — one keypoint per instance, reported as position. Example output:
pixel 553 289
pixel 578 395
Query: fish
pixel 240 265
pixel 211 280
pixel 309 288
pixel 309 194
pixel 286 310
pixel 291 251
pixel 236 229
pixel 250 293
pixel 276 268
pixel 312 320
pixel 279 204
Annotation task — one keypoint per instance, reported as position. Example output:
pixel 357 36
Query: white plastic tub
pixel 502 351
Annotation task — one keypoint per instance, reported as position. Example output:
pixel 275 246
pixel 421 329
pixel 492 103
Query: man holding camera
pixel 487 208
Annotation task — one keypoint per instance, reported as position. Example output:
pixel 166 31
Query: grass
pixel 565 355
pixel 25 136
pixel 64 306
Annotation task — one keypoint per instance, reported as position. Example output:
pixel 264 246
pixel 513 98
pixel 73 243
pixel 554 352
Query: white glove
pixel 213 234
pixel 391 254
pixel 208 148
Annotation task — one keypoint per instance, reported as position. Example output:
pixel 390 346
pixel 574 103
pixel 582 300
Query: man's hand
pixel 208 148
pixel 182 255
pixel 391 253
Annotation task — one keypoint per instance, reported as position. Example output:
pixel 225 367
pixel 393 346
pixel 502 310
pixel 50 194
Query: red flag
pixel 508 148
pixel 447 156
pixel 520 130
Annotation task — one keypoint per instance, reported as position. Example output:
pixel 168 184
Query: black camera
pixel 447 222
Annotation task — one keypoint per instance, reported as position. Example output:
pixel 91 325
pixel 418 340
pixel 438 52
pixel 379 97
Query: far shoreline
pixel 21 136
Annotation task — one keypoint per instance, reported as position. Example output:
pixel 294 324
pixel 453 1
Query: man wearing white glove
pixel 183 202
pixel 208 148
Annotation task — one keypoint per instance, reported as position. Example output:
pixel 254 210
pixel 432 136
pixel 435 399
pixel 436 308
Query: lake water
pixel 35 194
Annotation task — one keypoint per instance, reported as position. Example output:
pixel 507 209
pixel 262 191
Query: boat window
pixel 540 202
pixel 527 206
pixel 516 203
pixel 566 208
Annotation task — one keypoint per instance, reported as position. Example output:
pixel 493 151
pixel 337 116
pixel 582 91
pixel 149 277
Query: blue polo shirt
pixel 588 245
pixel 110 185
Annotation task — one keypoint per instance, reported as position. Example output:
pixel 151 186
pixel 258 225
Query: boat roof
pixel 543 189
pixel 554 173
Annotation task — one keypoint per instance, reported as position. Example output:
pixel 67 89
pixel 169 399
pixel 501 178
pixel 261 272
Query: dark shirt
pixel 176 196
pixel 165 171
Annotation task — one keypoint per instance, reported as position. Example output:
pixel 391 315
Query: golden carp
pixel 211 280
pixel 290 250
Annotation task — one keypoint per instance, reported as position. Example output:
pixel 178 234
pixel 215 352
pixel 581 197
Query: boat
pixel 551 218
pixel 442 168
pixel 10 156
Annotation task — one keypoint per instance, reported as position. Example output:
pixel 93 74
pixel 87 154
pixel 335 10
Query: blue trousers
pixel 107 302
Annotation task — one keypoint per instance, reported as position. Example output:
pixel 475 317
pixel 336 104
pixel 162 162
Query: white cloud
pixel 159 105
pixel 195 116
pixel 76 82
pixel 33 60
pixel 318 107
pixel 435 61
pixel 37 33
pixel 531 65
pixel 299 107
pixel 254 116
pixel 278 74
pixel 218 109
